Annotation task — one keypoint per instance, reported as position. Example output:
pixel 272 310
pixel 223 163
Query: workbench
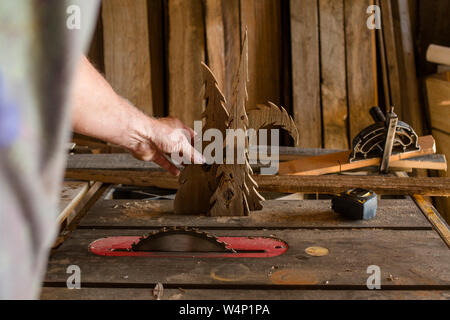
pixel 413 259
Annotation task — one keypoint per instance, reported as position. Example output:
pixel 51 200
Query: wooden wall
pixel 317 58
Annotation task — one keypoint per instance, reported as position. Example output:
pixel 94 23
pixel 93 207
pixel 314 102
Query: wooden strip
pixel 77 212
pixel 262 19
pixel 157 55
pixel 336 184
pixel 186 53
pixel 395 214
pixel 71 195
pixel 339 162
pixel 215 40
pixel 443 145
pixel 306 72
pixel 333 75
pixel 361 65
pixel 391 48
pixel 438 93
pixel 127 162
pixel 54 293
pixel 412 111
pixel 232 34
pixel 406 258
pixel 126 50
pixel 287 184
pixel 433 216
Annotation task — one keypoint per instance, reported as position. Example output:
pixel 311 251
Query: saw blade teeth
pixel 184 229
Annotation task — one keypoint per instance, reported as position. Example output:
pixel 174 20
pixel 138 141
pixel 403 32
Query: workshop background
pixel 316 58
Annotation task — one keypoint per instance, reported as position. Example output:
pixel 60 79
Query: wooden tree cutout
pixel 272 117
pixel 198 182
pixel 228 189
pixel 236 192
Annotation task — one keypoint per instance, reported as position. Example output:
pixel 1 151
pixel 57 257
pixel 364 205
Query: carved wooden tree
pixel 236 190
pixel 198 182
pixel 228 189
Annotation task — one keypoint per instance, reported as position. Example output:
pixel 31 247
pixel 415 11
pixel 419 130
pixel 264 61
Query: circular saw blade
pixel 180 240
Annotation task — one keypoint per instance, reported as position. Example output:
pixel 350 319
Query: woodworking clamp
pixel 387 136
pixel 356 204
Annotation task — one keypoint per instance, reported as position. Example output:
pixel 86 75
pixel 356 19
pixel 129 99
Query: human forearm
pixel 99 112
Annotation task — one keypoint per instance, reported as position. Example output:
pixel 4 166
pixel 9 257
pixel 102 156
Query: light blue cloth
pixel 39 49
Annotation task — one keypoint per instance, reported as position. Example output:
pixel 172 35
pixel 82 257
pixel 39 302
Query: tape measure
pixel 356 204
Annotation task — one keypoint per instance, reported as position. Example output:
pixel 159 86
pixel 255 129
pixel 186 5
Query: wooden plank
pixel 409 259
pixel 339 161
pixel 262 19
pixel 54 293
pixel 412 111
pixel 157 55
pixel 443 145
pixel 215 40
pixel 127 162
pixel 438 93
pixel 95 53
pixel 435 219
pixel 71 194
pixel 232 33
pixel 186 53
pixel 394 214
pixel 333 74
pixel 391 47
pixel 288 184
pixel 361 65
pixel 126 50
pixel 337 183
pixel 306 72
pixel 70 219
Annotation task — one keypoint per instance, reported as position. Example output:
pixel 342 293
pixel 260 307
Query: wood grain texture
pixel 232 42
pixel 305 214
pixel 333 74
pixel 126 50
pixel 186 50
pixel 287 184
pixel 361 65
pixel 443 145
pixel 420 260
pixel 412 110
pixel 236 192
pixel 262 19
pixel 55 293
pixel 438 93
pixel 215 39
pixel 198 182
pixel 271 116
pixel 71 195
pixel 306 72
pixel 157 55
pixel 391 48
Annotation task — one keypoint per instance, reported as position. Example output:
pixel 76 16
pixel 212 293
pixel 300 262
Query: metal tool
pixel 180 240
pixel 188 243
pixel 356 204
pixel 387 136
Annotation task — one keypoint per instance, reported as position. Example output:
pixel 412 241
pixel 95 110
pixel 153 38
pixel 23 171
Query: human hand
pixel 162 137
